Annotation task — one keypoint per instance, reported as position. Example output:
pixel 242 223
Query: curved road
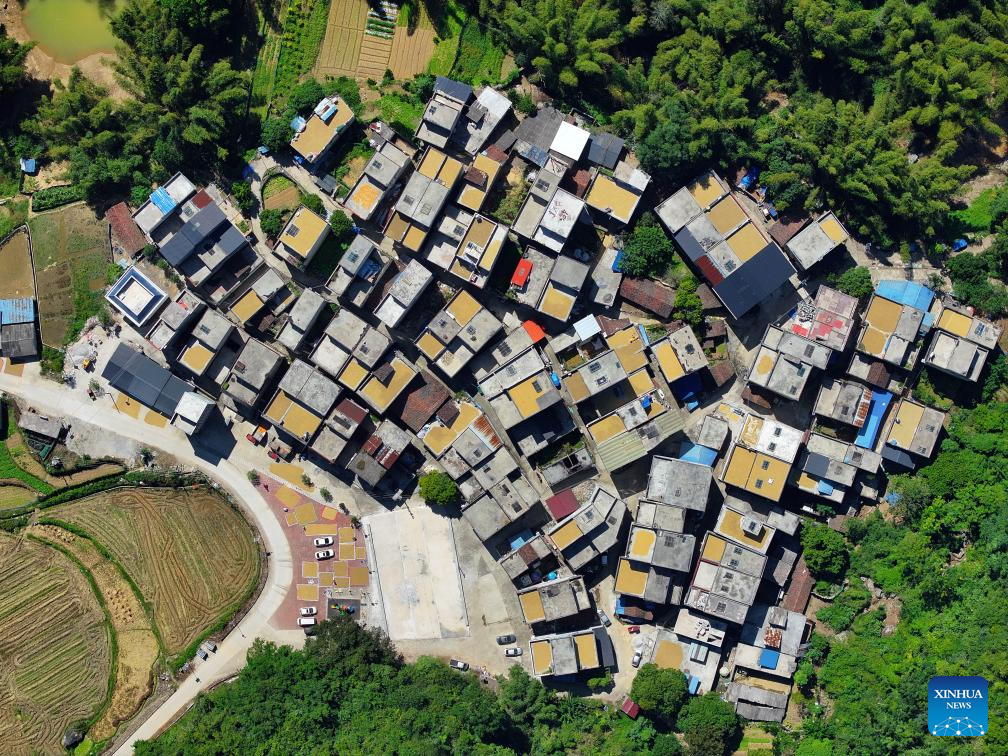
pixel 230 657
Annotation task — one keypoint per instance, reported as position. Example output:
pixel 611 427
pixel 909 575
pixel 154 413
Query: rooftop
pixel 406 288
pixel 845 401
pixel 327 121
pixel 590 531
pixel 303 232
pixel 135 296
pixel 680 483
pixel 255 365
pixel 380 391
pixel 554 600
pixel 819 237
pixel 679 354
pixel 915 428
pixel 619 195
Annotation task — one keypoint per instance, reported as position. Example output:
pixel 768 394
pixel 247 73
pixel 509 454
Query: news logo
pixel 957 706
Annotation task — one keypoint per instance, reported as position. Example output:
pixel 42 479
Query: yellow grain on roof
pixel 731 526
pixel 641 382
pixel 430 345
pixel 955 322
pixel 656 408
pixel 587 650
pixel 556 303
pixel 576 387
pixel 278 407
pixel 532 606
pixel 317 134
pixel 908 418
pixel 668 654
pixel 764 362
pixel 449 172
pixel 613 199
pixel 706 190
pixel 464 308
pixel 831 226
pixel 775 686
pixel 642 543
pixel 631 357
pixel 739 467
pixel 397 227
pixel 526 394
pixel 670 366
pixel 196 357
pixel 629 579
pixel 301 422
pixel 566 534
pixel 623 337
pixel 542 657
pixel 414 238
pixel 883 314
pixel 728 413
pixel 247 306
pixel 440 437
pixel 382 396
pixel 471 197
pixel 353 374
pixel 807 482
pixel 714 549
pixel 606 428
pixel 726 215
pixel 873 341
pixel 431 163
pixel 768 476
pixel 490 253
pixel 366 195
pixel 751 430
pixel 746 242
pixel 303 230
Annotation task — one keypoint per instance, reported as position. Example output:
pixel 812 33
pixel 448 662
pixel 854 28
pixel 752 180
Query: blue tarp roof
pixel 694 684
pixel 907 293
pixel 768 658
pixel 869 431
pixel 28 165
pixel 298 123
pixel 824 487
pixel 703 455
pixel 162 200
pixel 690 384
pixel 21 310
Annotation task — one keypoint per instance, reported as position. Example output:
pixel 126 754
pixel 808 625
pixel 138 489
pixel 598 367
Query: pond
pixel 69 30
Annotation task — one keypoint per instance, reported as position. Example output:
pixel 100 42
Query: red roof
pixel 648 294
pixel 802 583
pixel 562 504
pixel 707 297
pixel 496 153
pixel 201 199
pixel 125 230
pixel 424 402
pixel 521 273
pixel 534 330
pixel 711 273
pixel 352 410
pixel 610 326
pixel 629 708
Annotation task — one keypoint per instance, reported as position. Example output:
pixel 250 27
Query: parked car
pixel 513 651
pixel 503 640
pixel 323 541
pixel 459 665
pixel 308 611
pixel 325 554
pixel 202 654
pixel 306 621
pixel 604 618
pixel 635 662
pixel 210 646
pixel 633 629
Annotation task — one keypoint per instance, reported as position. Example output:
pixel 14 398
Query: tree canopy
pixel 824 549
pixel 660 692
pixel 438 488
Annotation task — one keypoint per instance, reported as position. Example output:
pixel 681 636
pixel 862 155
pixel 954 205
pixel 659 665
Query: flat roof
pixel 320 132
pixel 613 198
pixel 134 295
pixel 820 237
pixel 381 393
pixel 558 218
pixel 303 231
pixel 679 482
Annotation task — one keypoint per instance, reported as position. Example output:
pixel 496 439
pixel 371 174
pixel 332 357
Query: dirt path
pixel 137 646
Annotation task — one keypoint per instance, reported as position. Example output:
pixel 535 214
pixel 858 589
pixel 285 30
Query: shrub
pixel 438 488
pixel 326 494
pixel 305 479
pixel 241 192
pixel 314 203
pixel 47 199
pixel 855 282
pixel 841 614
pixel 825 550
pixel 340 224
pixel 253 477
pixel 271 222
pixel 648 250
pixel 688 307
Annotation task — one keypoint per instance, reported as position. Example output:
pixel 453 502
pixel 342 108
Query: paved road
pixel 230 657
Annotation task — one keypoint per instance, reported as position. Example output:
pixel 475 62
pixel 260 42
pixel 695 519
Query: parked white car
pixel 308 611
pixel 323 541
pixel 325 554
pixel 306 621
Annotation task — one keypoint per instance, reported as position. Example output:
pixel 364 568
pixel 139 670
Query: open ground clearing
pixel 15 262
pixel 54 647
pixel 136 643
pixel 419 573
pixel 194 558
pixel 72 257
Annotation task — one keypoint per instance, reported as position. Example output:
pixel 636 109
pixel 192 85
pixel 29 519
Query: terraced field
pixel 193 558
pixel 54 648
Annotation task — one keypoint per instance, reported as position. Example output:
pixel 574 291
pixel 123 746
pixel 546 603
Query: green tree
pixel 709 725
pixel 12 71
pixel 303 98
pixel 855 282
pixel 659 692
pixel 241 192
pixel 340 224
pixel 313 202
pixel 276 134
pixel 825 551
pixel 814 747
pixel 688 307
pixel 647 251
pixel 438 488
pixel 272 223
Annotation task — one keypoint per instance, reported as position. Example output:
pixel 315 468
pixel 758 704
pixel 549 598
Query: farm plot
pixel 193 558
pixel 136 643
pixel 412 51
pixel 72 258
pixel 344 35
pixel 54 647
pixel 15 262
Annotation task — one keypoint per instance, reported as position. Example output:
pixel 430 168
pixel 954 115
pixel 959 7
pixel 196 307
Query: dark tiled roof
pixel 581 180
pixel 715 327
pixel 878 375
pixel 448 413
pixel 611 325
pixel 562 504
pixel 802 583
pixel 475 176
pixel 783 230
pixel 496 153
pixel 707 297
pixel 755 398
pixel 384 372
pixel 722 372
pixel 352 410
pixel 648 294
pixel 422 403
pixel 201 199
pixel 125 230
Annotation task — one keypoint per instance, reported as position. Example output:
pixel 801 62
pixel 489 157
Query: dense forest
pixel 349 692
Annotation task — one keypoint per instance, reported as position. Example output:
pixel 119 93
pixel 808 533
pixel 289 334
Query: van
pixel 306 621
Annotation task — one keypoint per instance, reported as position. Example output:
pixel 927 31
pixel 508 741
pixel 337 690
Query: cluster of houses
pixel 519 398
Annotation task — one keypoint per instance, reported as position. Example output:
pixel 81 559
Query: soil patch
pixel 15 261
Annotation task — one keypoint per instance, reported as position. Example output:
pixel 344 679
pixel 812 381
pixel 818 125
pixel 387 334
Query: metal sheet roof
pixel 762 274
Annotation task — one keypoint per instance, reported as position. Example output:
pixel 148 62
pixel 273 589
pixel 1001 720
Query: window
pixel 759 482
pixel 772 446
pixel 776 431
pixel 537 386
pixel 765 465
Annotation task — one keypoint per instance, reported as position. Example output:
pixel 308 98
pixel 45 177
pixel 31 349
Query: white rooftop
pixel 570 141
